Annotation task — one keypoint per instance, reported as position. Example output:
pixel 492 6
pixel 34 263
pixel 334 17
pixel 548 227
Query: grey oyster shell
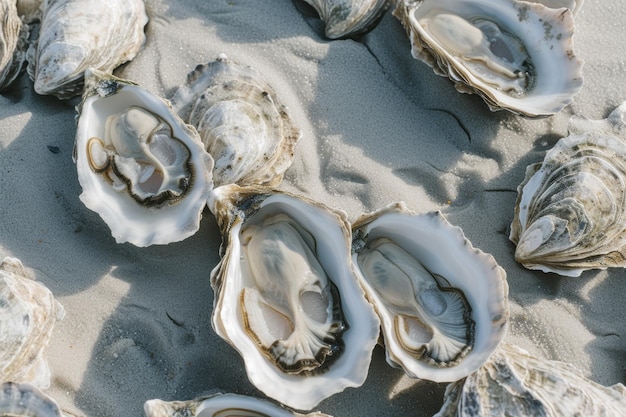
pixel 25 400
pixel 80 34
pixel 28 313
pixel 13 43
pixel 514 383
pixel 349 18
pixel 570 214
pixel 241 122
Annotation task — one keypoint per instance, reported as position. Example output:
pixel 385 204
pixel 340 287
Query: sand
pixel 378 126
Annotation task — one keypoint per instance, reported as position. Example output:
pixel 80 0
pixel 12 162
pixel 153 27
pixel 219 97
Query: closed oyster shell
pixel 308 332
pixel 141 168
pixel 442 303
pixel 514 383
pixel 13 42
pixel 80 34
pixel 28 313
pixel 241 122
pixel 349 18
pixel 25 400
pixel 516 55
pixel 220 405
pixel 570 214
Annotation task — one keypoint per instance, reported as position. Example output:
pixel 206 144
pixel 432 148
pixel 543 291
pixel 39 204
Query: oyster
pixel 142 169
pixel 570 214
pixel 349 18
pixel 241 121
pixel 13 39
pixel 220 405
pixel 28 313
pixel 514 383
pixel 25 400
pixel 80 34
pixel 442 303
pixel 516 55
pixel 286 297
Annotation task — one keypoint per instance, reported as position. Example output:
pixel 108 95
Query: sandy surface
pixel 378 126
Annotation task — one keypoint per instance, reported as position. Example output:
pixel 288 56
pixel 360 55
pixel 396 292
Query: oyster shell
pixel 570 214
pixel 573 5
pixel 349 18
pixel 142 169
pixel 28 313
pixel 514 383
pixel 220 405
pixel 13 39
pixel 25 400
pixel 516 55
pixel 307 332
pixel 80 34
pixel 442 303
pixel 241 121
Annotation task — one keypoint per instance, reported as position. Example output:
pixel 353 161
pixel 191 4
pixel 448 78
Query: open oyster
pixel 142 169
pixel 28 313
pixel 442 303
pixel 570 214
pixel 13 38
pixel 286 297
pixel 220 405
pixel 349 18
pixel 241 122
pixel 80 34
pixel 25 400
pixel 516 55
pixel 514 383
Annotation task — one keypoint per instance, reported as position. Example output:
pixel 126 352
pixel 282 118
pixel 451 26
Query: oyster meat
pixel 570 214
pixel 13 42
pixel 25 400
pixel 241 121
pixel 442 303
pixel 80 34
pixel 220 405
pixel 514 383
pixel 516 55
pixel 286 297
pixel 28 313
pixel 349 18
pixel 142 169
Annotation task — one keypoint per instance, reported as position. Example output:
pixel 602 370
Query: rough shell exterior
pixel 25 400
pixel 13 42
pixel 220 405
pixel 514 383
pixel 28 313
pixel 444 251
pixel 234 208
pixel 516 55
pixel 349 18
pixel 241 121
pixel 570 214
pixel 80 34
pixel 168 217
pixel 573 5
